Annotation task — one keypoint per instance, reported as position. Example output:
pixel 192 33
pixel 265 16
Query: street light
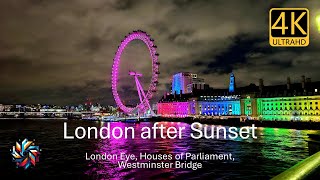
pixel 318 22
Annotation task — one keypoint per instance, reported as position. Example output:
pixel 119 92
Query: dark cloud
pixel 236 54
pixel 58 51
pixel 123 4
pixel 10 62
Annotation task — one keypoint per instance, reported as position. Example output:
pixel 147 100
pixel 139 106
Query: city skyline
pixel 58 52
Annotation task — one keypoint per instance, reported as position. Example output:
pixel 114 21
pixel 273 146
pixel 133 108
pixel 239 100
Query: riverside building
pixel 290 101
pixel 200 100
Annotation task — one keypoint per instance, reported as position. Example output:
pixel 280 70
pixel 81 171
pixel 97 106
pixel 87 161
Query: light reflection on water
pixel 274 151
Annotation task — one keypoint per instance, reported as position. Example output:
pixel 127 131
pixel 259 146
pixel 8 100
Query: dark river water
pixel 274 151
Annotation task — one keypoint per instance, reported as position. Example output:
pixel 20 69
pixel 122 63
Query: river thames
pixel 273 151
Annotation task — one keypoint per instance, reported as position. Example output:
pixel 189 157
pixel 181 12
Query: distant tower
pixel 232 83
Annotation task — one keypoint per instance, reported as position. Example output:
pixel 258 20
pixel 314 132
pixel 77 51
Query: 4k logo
pixel 289 27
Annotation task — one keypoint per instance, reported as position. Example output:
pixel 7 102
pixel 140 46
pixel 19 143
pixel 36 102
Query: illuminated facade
pixel 180 82
pixel 174 109
pixel 300 108
pixel 219 105
pixel 232 83
pixel 191 97
pixel 296 108
pixel 202 105
pixel 186 82
pixel 287 102
pixel 248 108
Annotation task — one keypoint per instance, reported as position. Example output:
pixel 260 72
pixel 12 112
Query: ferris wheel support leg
pixel 144 95
pixel 138 88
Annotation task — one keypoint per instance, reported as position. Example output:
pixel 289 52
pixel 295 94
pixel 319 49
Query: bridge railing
pixel 308 168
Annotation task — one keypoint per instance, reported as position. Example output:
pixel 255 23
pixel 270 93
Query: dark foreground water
pixel 274 151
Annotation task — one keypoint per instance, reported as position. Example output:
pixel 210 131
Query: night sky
pixel 61 51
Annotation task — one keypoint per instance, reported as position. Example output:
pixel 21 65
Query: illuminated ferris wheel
pixel 144 98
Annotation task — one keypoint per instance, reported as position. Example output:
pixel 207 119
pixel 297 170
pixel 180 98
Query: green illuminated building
pixel 297 102
pixel 302 108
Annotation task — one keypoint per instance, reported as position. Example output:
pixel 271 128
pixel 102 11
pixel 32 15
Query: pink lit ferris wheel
pixel 144 104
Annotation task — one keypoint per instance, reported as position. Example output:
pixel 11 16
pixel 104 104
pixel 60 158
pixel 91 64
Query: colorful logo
pixel 25 154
